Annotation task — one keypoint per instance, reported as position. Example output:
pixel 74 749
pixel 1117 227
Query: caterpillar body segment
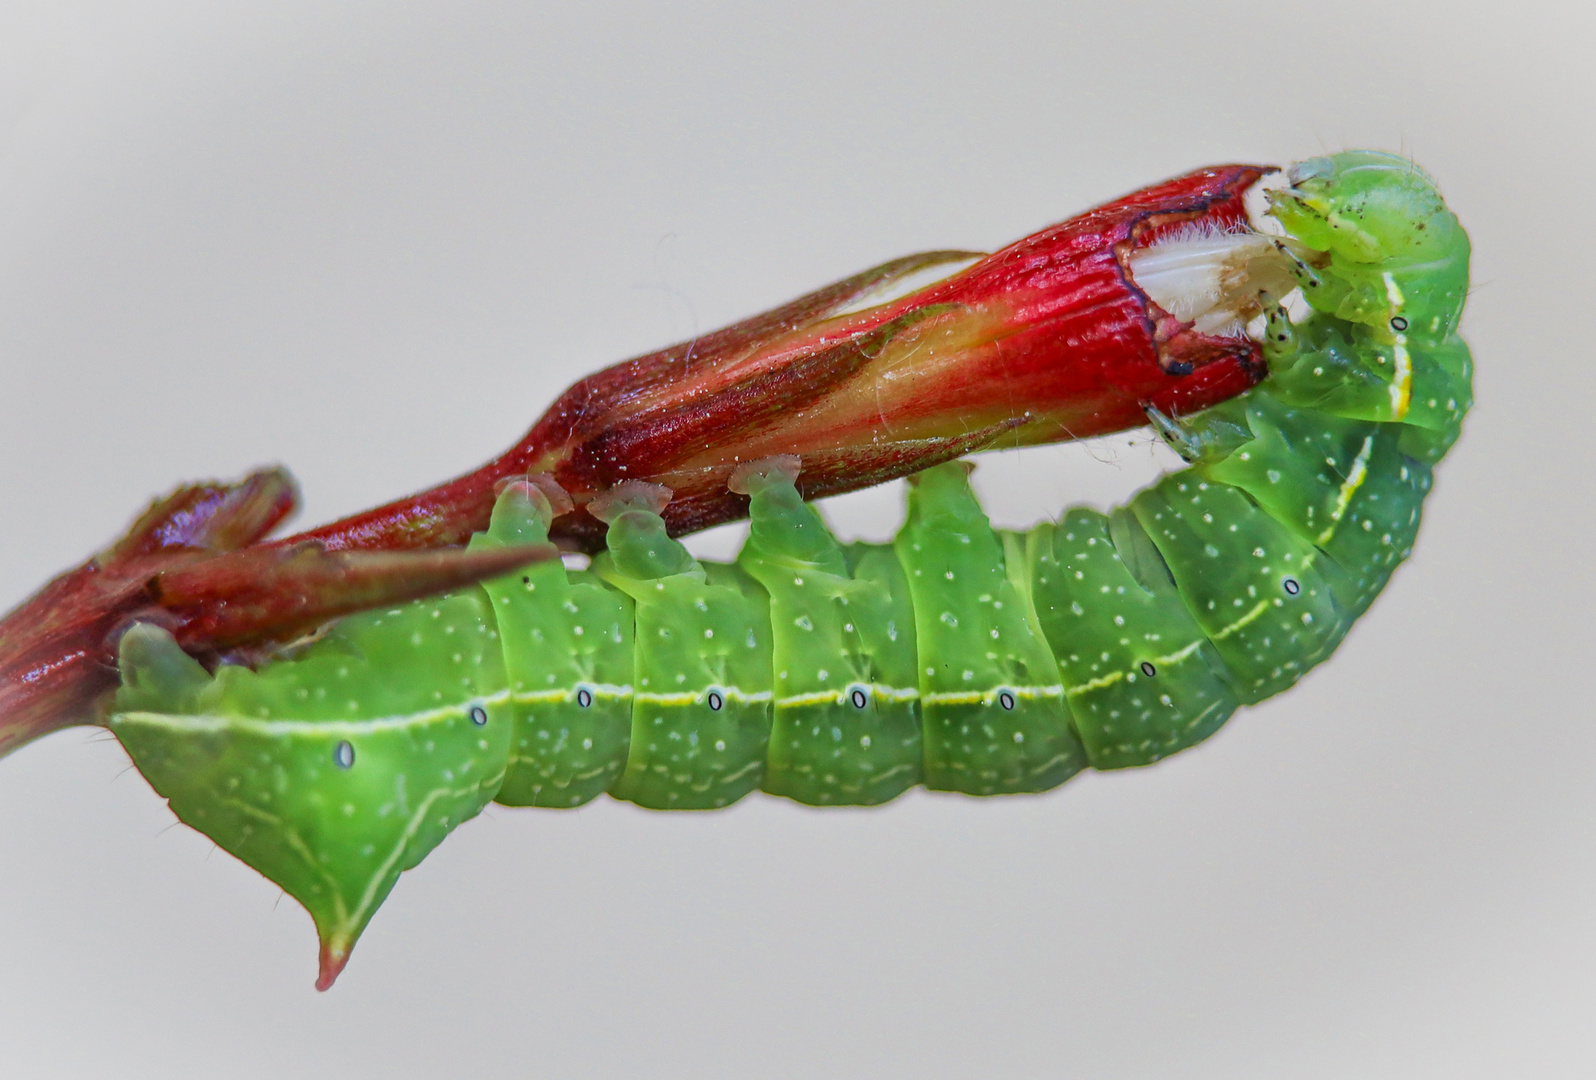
pixel 958 657
pixel 845 726
pixel 569 657
pixel 335 770
pixel 701 708
pixel 992 702
pixel 1151 686
pixel 1258 593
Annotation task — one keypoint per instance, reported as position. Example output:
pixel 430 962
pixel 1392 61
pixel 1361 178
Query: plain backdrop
pixel 372 241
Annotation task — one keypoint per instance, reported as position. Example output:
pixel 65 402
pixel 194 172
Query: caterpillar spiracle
pixel 957 657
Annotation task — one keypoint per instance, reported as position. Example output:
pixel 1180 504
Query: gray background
pixel 373 243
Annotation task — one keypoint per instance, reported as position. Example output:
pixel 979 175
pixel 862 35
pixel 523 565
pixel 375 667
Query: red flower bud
pixel 1048 339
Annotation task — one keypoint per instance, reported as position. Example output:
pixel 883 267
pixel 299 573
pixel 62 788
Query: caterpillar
pixel 958 657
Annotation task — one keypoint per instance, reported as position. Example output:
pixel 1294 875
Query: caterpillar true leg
pixel 957 657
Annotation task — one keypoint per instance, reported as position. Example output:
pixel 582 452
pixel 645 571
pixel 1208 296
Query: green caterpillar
pixel 958 657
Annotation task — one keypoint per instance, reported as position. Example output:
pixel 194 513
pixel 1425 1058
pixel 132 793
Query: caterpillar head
pixel 1364 206
pixel 1397 255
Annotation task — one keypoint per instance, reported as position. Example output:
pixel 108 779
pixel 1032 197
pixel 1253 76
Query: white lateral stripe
pixel 1393 292
pixel 368 896
pixel 319 728
pixel 1402 376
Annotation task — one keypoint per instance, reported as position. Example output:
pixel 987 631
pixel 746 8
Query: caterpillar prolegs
pixel 958 657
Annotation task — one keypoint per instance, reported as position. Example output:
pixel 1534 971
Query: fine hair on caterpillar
pixel 958 657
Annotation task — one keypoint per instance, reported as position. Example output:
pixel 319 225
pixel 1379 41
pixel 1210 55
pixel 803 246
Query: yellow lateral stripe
pixel 195 722
pixel 1257 610
pixel 988 697
pixel 1098 683
pixel 1401 379
pixel 556 697
pixel 1262 605
pixel 684 698
pixel 818 697
pixel 691 697
pixel 891 694
pixel 1113 677
pixel 1349 487
pixel 1180 654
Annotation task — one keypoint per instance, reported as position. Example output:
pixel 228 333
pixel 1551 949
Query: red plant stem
pixel 1045 340
pixel 1048 339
